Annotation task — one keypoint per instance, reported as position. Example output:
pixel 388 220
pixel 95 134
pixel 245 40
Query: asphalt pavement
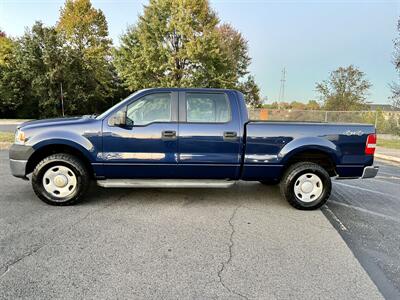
pixel 366 213
pixel 242 242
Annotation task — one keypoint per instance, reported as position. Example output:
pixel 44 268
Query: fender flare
pixel 305 144
pixel 66 138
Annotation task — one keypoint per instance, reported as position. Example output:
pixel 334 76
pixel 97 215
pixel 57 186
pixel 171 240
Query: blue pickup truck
pixel 178 137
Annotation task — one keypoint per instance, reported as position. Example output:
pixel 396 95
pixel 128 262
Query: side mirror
pixel 118 119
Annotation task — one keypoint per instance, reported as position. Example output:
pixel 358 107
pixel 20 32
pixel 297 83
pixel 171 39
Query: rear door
pixel 209 136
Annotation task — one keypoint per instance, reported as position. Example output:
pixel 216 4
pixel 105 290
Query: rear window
pixel 207 108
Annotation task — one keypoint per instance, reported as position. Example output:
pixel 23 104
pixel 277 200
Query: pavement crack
pixel 11 264
pixel 230 251
pixel 18 259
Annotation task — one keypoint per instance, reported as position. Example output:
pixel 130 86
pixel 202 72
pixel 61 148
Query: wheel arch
pixel 316 150
pixel 322 158
pixel 47 149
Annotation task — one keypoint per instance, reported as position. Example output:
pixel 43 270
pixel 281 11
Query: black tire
pixel 61 159
pixel 289 180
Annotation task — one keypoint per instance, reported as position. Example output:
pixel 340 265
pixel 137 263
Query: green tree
pixel 346 89
pixel 313 105
pixel 6 47
pixel 396 61
pixel 251 92
pixel 34 74
pixel 10 89
pixel 75 55
pixel 235 49
pixel 179 43
pixel 84 27
pixel 88 49
pixel 297 105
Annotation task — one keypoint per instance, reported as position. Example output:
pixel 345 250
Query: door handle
pixel 168 134
pixel 230 135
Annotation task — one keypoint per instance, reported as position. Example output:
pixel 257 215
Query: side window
pixel 149 109
pixel 207 108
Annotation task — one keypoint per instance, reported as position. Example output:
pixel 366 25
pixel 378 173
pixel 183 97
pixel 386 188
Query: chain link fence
pixel 387 122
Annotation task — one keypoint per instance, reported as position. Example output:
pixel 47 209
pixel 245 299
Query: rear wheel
pixel 306 186
pixel 60 179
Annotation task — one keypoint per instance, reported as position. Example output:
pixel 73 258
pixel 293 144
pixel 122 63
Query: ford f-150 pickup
pixel 178 137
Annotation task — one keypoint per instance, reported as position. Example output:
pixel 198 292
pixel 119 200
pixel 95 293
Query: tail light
pixel 371 144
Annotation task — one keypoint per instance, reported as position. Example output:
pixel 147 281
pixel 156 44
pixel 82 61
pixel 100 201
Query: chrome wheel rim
pixel 308 187
pixel 59 181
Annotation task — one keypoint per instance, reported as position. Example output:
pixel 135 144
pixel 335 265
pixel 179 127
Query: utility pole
pixel 282 88
pixel 62 99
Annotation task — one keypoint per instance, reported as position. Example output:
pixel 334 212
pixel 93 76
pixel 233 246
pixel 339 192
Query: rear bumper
pixel 370 172
pixel 18 167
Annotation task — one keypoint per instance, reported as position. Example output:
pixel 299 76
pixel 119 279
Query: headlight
pixel 19 137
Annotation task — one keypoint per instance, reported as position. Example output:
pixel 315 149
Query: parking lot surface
pixel 242 242
pixel 367 215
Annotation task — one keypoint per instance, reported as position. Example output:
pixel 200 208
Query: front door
pixel 147 146
pixel 209 136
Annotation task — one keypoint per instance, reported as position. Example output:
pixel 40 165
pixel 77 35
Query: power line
pixel 282 87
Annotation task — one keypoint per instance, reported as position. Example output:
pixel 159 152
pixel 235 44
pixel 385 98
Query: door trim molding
pixel 166 164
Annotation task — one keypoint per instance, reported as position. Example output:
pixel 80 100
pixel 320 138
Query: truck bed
pixel 269 145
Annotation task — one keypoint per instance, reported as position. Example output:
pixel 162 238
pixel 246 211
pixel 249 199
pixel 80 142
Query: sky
pixel 308 38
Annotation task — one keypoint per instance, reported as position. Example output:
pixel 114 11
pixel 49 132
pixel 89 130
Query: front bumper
pixel 19 155
pixel 370 172
pixel 18 167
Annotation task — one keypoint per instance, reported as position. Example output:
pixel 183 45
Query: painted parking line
pixel 385 180
pixel 364 210
pixel 387 174
pixel 387 177
pixel 366 190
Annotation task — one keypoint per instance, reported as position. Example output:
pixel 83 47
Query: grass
pixel 6 137
pixel 391 144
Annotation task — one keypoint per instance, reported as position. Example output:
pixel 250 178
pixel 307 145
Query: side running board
pixel 164 183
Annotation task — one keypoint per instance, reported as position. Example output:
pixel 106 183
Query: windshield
pixel 112 107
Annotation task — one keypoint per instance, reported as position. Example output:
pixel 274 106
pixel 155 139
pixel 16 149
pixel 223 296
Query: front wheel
pixel 60 179
pixel 306 186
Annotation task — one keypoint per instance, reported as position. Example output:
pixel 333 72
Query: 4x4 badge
pixel 349 133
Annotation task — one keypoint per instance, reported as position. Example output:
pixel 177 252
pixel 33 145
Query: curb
pixel 13 122
pixel 387 157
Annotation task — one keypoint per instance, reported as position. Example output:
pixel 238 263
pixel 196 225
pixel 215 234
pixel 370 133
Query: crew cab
pixel 179 137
